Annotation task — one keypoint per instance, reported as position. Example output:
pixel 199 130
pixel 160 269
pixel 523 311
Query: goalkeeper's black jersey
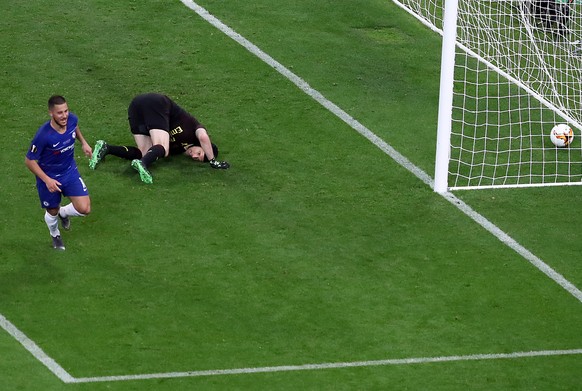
pixel 183 135
pixel 157 111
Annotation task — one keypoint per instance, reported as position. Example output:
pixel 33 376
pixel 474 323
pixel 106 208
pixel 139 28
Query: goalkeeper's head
pixel 197 153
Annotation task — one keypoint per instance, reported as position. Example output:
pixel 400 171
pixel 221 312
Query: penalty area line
pixel 323 366
pixel 387 148
pixel 64 376
pixel 35 350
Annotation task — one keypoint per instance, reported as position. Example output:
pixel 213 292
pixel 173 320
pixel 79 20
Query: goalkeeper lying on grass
pixel 160 128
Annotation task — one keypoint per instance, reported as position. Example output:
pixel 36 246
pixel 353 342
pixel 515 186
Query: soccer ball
pixel 562 135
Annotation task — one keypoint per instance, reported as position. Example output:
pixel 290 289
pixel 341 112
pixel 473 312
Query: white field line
pixel 35 350
pixel 389 150
pixel 311 367
pixel 64 376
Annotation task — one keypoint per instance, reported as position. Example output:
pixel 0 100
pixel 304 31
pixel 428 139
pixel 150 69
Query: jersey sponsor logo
pixel 176 131
pixel 64 149
pixel 55 145
pixel 33 149
pixel 67 148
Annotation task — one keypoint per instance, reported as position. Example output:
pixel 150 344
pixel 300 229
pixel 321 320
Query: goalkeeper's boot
pixel 99 153
pixel 65 222
pixel 58 243
pixel 144 174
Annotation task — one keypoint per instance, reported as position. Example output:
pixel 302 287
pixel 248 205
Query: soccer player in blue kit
pixel 51 158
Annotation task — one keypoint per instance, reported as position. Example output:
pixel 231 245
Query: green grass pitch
pixel 315 247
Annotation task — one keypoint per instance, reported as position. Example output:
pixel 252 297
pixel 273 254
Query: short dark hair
pixel 56 100
pixel 214 150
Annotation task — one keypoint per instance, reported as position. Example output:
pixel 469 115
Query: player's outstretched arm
pixel 208 152
pixel 87 150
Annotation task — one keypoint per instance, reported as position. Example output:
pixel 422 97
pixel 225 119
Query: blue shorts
pixel 72 185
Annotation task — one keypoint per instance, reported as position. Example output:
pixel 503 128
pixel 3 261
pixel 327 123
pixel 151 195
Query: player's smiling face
pixel 59 115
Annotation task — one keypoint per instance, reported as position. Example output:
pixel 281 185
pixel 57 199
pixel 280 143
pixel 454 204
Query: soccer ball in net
pixel 562 135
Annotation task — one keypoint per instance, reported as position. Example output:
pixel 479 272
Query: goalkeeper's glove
pixel 221 165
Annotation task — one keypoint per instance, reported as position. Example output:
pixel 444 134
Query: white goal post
pixel 510 71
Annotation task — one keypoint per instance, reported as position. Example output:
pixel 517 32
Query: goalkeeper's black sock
pixel 124 152
pixel 154 153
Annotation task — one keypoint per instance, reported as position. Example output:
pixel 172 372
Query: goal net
pixel 515 72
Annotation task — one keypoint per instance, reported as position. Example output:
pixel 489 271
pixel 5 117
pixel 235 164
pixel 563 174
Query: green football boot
pixel 99 153
pixel 144 174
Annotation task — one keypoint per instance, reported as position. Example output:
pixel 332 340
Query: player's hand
pixel 220 165
pixel 53 185
pixel 87 150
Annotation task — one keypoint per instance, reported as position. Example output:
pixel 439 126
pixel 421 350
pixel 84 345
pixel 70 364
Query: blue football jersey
pixel 55 152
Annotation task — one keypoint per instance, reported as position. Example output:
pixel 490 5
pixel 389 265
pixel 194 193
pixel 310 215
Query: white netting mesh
pixel 518 72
